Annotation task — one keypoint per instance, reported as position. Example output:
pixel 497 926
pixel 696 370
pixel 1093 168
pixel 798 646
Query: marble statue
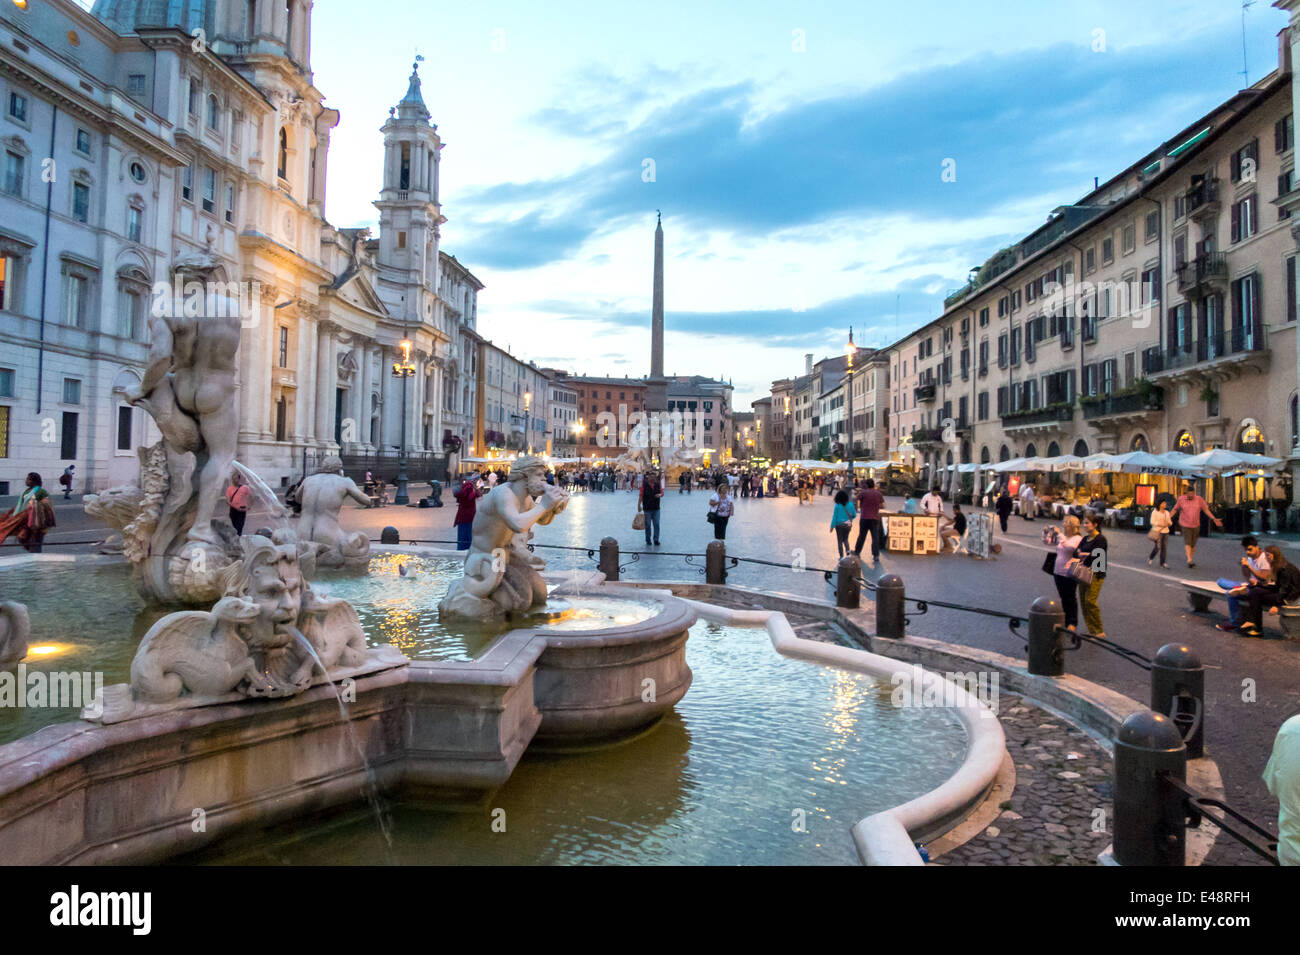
pixel 501 576
pixel 15 629
pixel 263 638
pixel 170 534
pixel 322 496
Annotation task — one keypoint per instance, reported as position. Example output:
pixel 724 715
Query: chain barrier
pixel 1078 639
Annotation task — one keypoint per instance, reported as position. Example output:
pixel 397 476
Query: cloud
pixel 1039 121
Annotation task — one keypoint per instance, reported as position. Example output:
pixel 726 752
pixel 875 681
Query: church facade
pixel 145 136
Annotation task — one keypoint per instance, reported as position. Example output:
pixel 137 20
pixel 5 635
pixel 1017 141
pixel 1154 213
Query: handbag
pixel 638 522
pixel 711 517
pixel 1153 534
pixel 1079 571
pixel 1049 563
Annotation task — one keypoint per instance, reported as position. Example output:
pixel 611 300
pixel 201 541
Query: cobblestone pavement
pixel 1059 813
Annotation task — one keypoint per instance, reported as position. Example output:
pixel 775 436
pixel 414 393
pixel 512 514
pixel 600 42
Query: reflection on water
pixel 757 745
pixel 601 613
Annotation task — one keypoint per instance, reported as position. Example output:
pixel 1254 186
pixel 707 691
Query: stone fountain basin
pixel 445 732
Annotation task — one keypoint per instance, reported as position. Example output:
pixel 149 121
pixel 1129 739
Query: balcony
pixel 1050 419
pixel 1203 272
pixel 924 437
pixel 1231 350
pixel 926 392
pixel 984 369
pixel 1203 199
pixel 1106 412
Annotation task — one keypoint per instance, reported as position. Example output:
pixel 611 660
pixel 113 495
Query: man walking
pixel 1004 506
pixel 870 501
pixel 66 480
pixel 1187 512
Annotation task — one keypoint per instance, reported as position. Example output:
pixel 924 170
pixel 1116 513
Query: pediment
pixel 360 292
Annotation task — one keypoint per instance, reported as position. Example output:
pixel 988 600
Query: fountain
pixel 270 701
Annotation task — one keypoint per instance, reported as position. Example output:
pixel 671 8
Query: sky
pixel 795 150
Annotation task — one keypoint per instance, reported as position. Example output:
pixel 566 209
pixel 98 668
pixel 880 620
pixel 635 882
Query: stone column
pixel 364 376
pixel 326 377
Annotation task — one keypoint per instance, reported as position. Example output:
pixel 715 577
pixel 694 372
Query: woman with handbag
pixel 1162 522
pixel 1067 538
pixel 842 520
pixel 1092 553
pixel 20 520
pixel 720 507
pixel 648 506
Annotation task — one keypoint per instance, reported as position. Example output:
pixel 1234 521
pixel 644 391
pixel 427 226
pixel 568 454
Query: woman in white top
pixel 720 507
pixel 1068 539
pixel 1161 523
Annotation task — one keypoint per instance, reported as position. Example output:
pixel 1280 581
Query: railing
pixel 1210 266
pixel 1202 195
pixel 1064 412
pixel 1223 344
pixel 1121 404
pixel 927 435
pixel 926 392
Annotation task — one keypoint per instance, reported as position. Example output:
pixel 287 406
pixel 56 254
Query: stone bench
pixel 1201 592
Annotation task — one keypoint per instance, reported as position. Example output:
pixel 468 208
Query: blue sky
pixel 801 189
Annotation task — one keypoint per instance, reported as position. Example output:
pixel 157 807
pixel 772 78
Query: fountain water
pixel 372 785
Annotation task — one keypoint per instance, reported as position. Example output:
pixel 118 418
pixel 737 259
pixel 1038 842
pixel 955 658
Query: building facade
pixel 173 155
pixel 706 404
pixel 1157 313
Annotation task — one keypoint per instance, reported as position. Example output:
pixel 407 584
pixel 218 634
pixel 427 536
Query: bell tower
pixel 409 212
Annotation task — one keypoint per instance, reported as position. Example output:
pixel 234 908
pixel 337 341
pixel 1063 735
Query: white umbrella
pixel 1215 459
pixel 1136 462
pixel 1015 464
pixel 1258 460
pixel 1064 462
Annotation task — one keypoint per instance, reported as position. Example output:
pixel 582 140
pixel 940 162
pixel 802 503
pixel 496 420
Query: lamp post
pixel 850 404
pixel 528 420
pixel 403 369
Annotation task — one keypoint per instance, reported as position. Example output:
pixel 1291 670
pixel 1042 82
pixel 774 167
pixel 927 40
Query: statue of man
pixel 508 510
pixel 323 495
pixel 189 388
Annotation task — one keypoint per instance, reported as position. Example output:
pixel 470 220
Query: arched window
pixel 1139 443
pixel 214 113
pixel 1031 450
pixel 1053 450
pixel 1251 439
pixel 282 167
pixel 1185 442
pixel 1004 454
pixel 984 454
pixel 1081 448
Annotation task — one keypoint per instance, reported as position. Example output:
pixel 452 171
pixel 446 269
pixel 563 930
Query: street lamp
pixel 403 369
pixel 528 419
pixel 852 349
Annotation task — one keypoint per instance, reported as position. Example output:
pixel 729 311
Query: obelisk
pixel 656 392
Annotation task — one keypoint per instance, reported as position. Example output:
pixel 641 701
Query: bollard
pixel 1046 657
pixel 1150 821
pixel 1178 691
pixel 847 592
pixel 608 564
pixel 889 607
pixel 389 535
pixel 715 563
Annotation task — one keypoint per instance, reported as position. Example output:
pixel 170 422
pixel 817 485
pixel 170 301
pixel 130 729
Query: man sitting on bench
pixel 1256 566
pixel 1282 587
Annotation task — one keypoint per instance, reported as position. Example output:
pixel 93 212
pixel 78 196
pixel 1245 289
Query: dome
pixel 128 16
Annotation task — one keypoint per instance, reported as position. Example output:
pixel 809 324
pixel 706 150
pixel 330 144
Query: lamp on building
pixel 403 369
pixel 528 419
